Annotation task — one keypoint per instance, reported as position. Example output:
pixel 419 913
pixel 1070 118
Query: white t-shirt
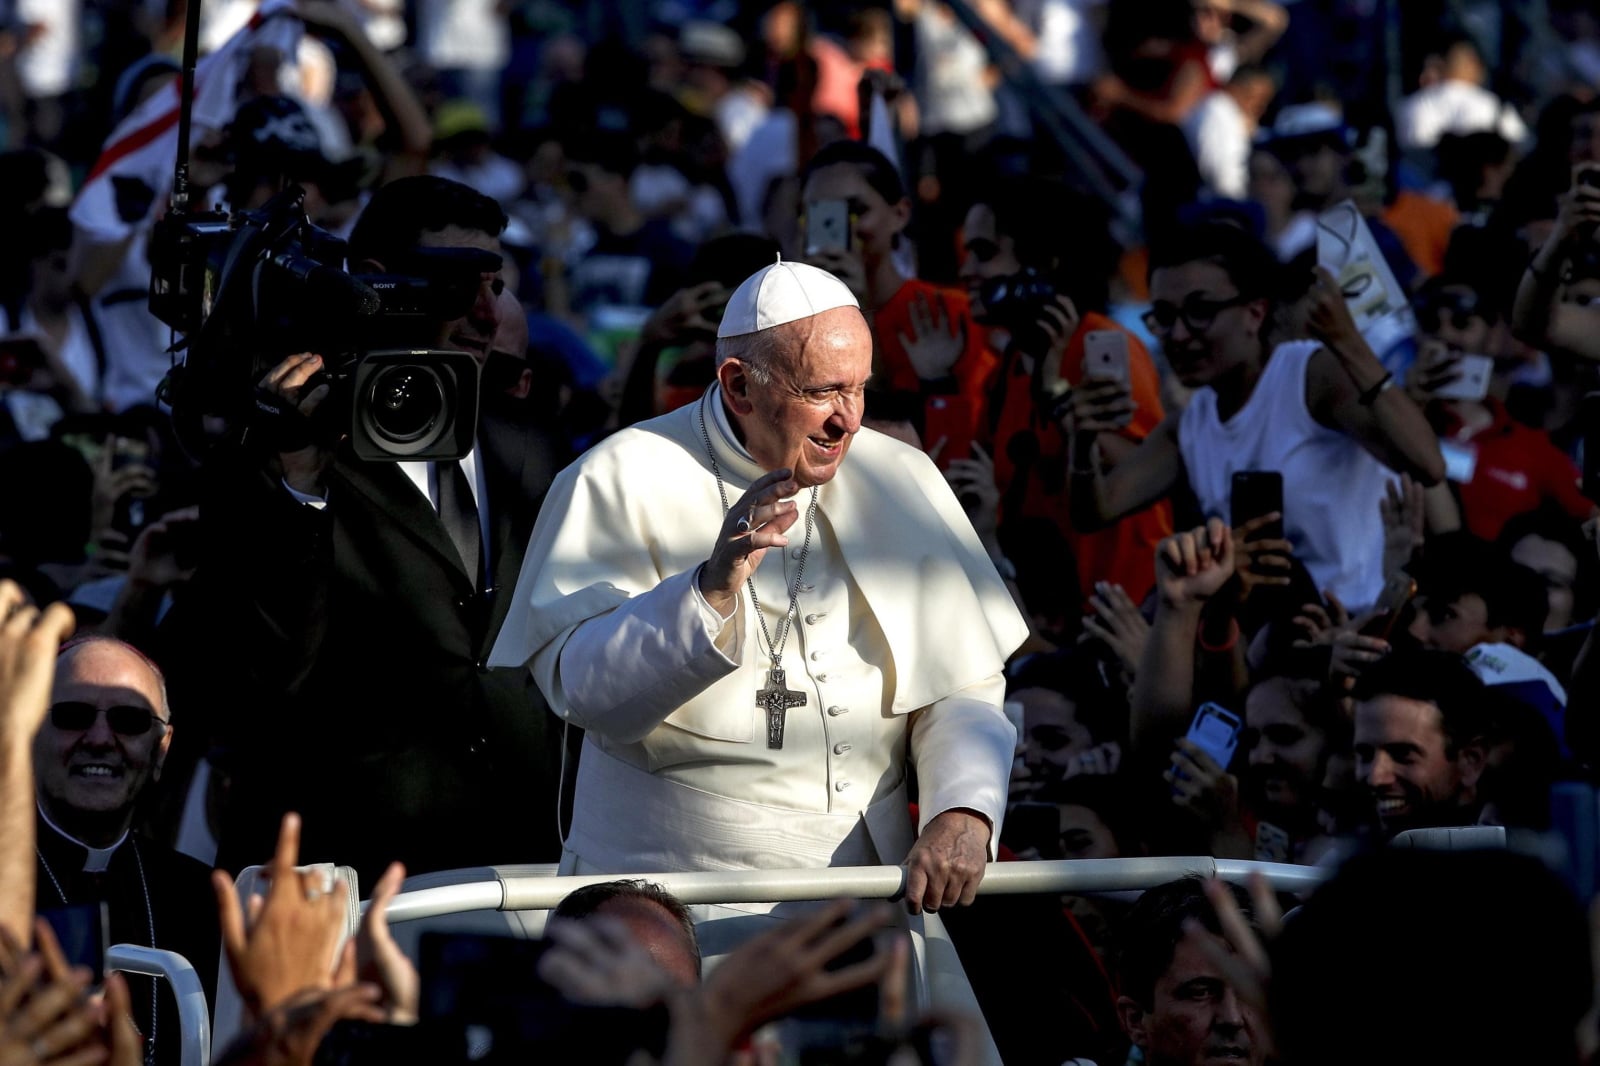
pixel 1069 46
pixel 48 64
pixel 1219 136
pixel 1454 107
pixel 1331 485
pixel 951 91
pixel 463 34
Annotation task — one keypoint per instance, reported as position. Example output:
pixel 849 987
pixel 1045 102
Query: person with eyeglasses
pixel 97 755
pixel 1323 412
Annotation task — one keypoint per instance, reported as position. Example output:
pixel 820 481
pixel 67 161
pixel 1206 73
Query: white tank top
pixel 1331 485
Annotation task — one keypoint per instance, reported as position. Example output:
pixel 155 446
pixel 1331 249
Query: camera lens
pixel 406 407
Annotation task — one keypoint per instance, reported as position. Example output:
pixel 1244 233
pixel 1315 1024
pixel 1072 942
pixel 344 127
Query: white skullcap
pixel 780 293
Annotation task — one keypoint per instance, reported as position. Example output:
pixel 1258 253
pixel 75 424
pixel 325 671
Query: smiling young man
pixel 1420 740
pixel 761 612
pixel 100 748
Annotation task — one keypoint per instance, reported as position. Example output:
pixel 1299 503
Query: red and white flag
pixel 133 175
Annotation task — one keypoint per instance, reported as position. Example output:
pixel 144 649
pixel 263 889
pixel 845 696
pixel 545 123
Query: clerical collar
pixel 98 860
pixel 731 452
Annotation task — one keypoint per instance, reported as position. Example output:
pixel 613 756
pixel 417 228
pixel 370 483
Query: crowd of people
pixel 921 433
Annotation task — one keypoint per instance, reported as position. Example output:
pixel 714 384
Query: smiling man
pixel 1420 739
pixel 100 748
pixel 761 613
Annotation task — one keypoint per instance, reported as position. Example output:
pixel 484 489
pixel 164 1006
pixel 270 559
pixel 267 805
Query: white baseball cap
pixel 780 293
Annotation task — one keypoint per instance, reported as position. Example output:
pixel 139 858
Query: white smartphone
pixel 828 226
pixel 1105 356
pixel 1215 731
pixel 1472 382
pixel 1460 460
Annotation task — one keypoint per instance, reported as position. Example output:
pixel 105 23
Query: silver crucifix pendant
pixel 776 699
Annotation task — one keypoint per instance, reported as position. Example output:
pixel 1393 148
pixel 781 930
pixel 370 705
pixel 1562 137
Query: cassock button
pixel 813 619
pixel 821 678
pixel 816 656
pixel 835 711
pixel 795 553
pixel 840 749
pixel 840 786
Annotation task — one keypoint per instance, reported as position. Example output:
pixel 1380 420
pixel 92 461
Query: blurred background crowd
pixel 1399 637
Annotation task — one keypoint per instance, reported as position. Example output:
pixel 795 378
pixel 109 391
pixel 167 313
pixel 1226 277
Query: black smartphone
pixel 1398 592
pixel 1255 493
pixel 1590 176
pixel 1589 419
pixel 83 930
pixel 485 996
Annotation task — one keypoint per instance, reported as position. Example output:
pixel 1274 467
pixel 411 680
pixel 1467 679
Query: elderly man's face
pixel 98 770
pixel 804 417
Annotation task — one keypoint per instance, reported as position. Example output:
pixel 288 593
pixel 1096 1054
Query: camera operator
pixel 1024 285
pixel 357 599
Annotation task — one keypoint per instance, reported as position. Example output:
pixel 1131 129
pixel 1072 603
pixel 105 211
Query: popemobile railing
pixel 1063 876
pixel 194 1017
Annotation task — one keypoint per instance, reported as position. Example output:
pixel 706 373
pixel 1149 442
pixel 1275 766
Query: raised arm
pixel 1101 496
pixel 1348 388
pixel 1537 316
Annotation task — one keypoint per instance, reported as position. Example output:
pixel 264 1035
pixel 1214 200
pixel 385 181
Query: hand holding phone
pixel 1255 494
pixel 1215 731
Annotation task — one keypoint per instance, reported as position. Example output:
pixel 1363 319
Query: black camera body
pixel 247 290
pixel 1016 303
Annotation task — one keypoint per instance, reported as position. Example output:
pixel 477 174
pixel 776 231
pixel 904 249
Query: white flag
pixel 134 172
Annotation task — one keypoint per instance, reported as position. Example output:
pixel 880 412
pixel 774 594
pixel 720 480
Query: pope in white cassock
pixel 762 636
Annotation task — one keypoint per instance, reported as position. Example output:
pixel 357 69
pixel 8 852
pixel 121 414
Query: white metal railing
pixel 855 882
pixel 194 1015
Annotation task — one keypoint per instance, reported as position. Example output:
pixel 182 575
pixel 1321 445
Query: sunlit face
pixel 985 253
pixel 1401 761
pixel 97 771
pixel 1197 1019
pixel 473 332
pixel 1553 562
pixel 804 417
pixel 875 221
pixel 1084 835
pixel 1286 760
pixel 1217 332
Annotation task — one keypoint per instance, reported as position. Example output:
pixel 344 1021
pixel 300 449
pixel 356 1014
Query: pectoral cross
pixel 776 699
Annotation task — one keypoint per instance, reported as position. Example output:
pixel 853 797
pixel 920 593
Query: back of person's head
pixel 1494 949
pixel 876 169
pixel 1114 799
pixel 399 213
pixel 1150 932
pixel 1437 677
pixel 1086 678
pixel 1249 263
pixel 1514 597
pixel 582 903
pixel 1550 523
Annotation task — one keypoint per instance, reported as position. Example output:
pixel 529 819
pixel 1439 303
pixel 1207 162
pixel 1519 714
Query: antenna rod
pixel 191 49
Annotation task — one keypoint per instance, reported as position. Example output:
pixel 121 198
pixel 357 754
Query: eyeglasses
pixel 76 717
pixel 1198 314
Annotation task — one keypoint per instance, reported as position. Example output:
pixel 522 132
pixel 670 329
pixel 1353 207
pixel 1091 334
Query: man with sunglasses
pixel 99 751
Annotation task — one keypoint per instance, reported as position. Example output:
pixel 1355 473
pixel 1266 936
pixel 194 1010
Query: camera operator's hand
pixel 1058 322
pixel 768 515
pixel 1096 406
pixel 973 482
pixel 682 317
pixel 285 384
pixel 936 341
pixel 1436 366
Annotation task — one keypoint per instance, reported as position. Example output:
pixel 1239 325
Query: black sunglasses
pixel 1198 314
pixel 75 717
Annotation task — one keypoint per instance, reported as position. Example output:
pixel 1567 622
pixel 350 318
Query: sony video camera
pixel 250 289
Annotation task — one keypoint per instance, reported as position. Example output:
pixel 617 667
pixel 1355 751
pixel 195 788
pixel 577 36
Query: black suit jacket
pixel 361 641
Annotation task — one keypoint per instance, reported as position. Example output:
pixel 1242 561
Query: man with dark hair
pixel 656 919
pixel 1475 595
pixel 359 600
pixel 1420 739
pixel 1177 1005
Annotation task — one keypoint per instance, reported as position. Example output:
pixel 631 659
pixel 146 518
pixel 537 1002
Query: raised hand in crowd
pixel 1058 322
pixel 1537 316
pixel 379 960
pixel 291 941
pixel 973 481
pixel 682 317
pixel 1403 511
pixel 163 558
pixel 598 962
pixel 114 482
pixel 290 1033
pixel 1261 561
pixel 1349 649
pixel 1241 954
pixel 29 639
pixel 1117 621
pixel 1209 794
pixel 936 341
pixel 1194 566
pixel 48 1018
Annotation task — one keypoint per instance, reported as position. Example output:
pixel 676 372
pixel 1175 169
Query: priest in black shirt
pixel 99 748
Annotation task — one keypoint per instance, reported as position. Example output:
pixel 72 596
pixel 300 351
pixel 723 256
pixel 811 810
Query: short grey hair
pixel 757 353
pixel 72 645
